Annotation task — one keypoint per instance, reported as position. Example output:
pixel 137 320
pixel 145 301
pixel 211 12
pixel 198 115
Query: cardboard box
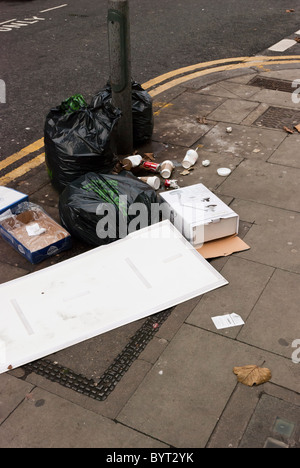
pixel 10 198
pixel 30 231
pixel 199 214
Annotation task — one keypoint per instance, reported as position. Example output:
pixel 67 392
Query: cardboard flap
pixel 223 247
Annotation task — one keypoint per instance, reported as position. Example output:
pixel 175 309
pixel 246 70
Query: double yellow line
pixel 154 87
pixel 26 167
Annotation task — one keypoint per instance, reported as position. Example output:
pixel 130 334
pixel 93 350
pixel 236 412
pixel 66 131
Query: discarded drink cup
pixel 190 159
pixel 166 169
pixel 151 166
pixel 131 161
pixel 153 181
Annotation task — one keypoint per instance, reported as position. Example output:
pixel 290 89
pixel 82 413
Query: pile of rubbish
pixel 102 197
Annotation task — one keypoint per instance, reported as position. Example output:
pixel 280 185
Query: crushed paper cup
pixel 224 171
pixel 190 159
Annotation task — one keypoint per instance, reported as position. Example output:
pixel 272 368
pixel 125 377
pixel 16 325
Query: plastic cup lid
pixel 224 171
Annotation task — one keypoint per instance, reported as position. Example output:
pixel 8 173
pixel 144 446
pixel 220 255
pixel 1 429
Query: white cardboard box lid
pixel 9 197
pixel 151 270
pixel 197 204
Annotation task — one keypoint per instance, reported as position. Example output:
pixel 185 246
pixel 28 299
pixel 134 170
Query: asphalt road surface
pixel 50 50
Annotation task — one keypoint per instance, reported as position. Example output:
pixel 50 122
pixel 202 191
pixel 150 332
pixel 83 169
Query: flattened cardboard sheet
pixel 145 273
pixel 223 247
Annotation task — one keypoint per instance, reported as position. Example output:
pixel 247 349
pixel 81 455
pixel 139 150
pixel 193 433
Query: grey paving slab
pixel 243 79
pixel 275 98
pixel 244 141
pixel 12 393
pixel 275 420
pixel 193 104
pixel 274 238
pixel 47 421
pixel 10 256
pixel 46 195
pixel 288 154
pixel 182 398
pixel 265 183
pixel 286 74
pixel 247 281
pixel 241 408
pixel 230 89
pixel 10 272
pixel 178 129
pixel 274 322
pixel 233 110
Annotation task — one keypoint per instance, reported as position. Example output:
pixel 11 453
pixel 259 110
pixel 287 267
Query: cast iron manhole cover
pixel 100 389
pixel 279 117
pixel 271 83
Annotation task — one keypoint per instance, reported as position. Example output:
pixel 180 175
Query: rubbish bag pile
pixel 95 202
pixel 142 111
pixel 97 208
pixel 77 140
pixel 78 136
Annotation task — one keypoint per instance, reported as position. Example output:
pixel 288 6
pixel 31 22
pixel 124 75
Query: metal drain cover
pixel 100 389
pixel 279 117
pixel 271 83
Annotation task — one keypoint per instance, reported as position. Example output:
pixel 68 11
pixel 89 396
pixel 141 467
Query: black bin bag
pixel 100 209
pixel 77 140
pixel 142 111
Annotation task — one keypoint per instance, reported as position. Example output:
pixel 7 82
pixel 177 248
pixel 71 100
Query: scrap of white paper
pixel 227 321
pixel 35 230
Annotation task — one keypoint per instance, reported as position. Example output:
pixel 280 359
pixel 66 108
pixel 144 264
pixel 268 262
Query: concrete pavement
pixel 179 390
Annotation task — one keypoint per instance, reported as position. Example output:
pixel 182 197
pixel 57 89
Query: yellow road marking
pixel 183 79
pixel 21 154
pixel 244 62
pixel 180 71
pixel 20 171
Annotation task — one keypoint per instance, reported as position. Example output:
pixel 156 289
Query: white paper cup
pixel 132 161
pixel 166 169
pixel 190 159
pixel 153 181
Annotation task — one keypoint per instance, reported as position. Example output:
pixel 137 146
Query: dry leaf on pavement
pixel 297 127
pixel 252 375
pixel 149 156
pixel 288 130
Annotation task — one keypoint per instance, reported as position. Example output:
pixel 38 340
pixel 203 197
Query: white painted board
pixel 145 273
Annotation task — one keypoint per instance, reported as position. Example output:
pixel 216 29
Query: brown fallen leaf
pixel 297 127
pixel 187 171
pixel 202 120
pixel 288 130
pixel 291 10
pixel 297 39
pixel 149 156
pixel 252 375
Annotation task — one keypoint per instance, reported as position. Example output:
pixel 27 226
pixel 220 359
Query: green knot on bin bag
pixel 73 103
